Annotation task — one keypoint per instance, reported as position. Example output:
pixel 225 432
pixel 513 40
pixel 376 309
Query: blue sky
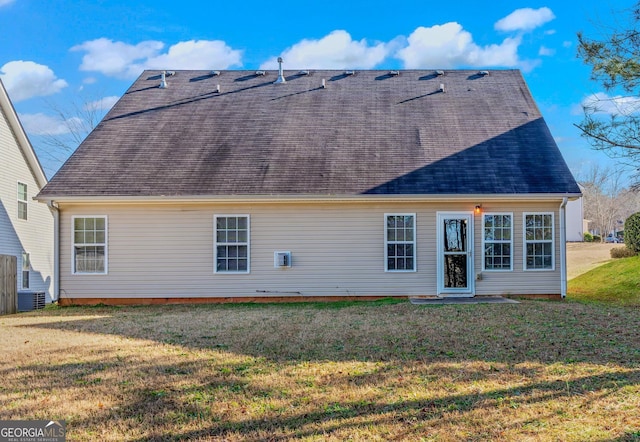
pixel 57 54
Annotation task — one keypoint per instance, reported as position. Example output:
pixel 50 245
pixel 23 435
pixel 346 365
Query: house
pixel 209 186
pixel 26 227
pixel 576 224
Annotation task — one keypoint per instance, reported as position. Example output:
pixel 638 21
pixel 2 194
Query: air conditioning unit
pixel 30 300
pixel 281 259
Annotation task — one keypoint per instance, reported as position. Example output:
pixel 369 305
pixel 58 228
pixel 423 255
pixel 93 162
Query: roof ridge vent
pixel 349 72
pixel 305 72
pixel 163 80
pixel 214 73
pixel 439 73
pixel 483 73
pixel 441 88
pixel 261 73
pixel 394 73
pixel 281 78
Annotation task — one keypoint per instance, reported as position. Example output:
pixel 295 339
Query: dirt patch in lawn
pixel 584 256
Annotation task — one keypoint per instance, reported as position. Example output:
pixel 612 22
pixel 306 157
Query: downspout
pixel 563 248
pixel 56 251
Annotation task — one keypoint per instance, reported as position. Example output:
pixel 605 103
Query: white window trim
pixel 106 245
pixel 415 248
pixel 25 201
pixel 510 269
pixel 525 242
pixel 215 245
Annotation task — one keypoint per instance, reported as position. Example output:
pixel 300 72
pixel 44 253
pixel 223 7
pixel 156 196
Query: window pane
pixel 22 191
pixel 409 263
pixel 391 234
pixel 455 271
pixel 400 242
pixel 22 210
pixel 232 230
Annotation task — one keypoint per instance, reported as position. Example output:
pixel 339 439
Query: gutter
pixel 296 198
pixel 55 295
pixel 563 248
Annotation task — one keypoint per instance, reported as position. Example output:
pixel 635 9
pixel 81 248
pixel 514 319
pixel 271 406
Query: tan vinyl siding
pixel 161 251
pixel 519 281
pixel 33 235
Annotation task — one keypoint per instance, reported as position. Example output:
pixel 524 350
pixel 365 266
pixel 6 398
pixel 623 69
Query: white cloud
pixel 525 19
pixel 101 105
pixel 123 60
pixel 546 52
pixel 567 44
pixel 601 103
pixel 449 45
pixel 26 79
pixel 336 50
pixel 5 2
pixel 41 124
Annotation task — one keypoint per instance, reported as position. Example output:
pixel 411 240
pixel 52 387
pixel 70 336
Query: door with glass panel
pixel 455 254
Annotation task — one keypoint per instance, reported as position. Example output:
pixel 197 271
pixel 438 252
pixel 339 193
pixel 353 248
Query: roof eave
pixel 301 198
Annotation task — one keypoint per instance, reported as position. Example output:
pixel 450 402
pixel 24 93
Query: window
pixel 538 240
pixel 26 266
pixel 232 243
pixel 497 241
pixel 22 201
pixel 90 245
pixel 400 242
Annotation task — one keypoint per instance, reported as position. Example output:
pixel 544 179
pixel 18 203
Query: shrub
pixel 622 252
pixel 597 238
pixel 632 232
pixel 588 237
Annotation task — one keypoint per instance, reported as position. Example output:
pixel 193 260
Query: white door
pixel 455 254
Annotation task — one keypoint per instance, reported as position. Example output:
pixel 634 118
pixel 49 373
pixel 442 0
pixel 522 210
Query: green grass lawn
pixel 538 370
pixel 617 283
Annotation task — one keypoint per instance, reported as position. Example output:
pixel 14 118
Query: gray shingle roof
pixel 367 133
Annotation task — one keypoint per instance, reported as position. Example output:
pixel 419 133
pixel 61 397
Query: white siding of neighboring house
pixel 575 220
pixel 167 251
pixel 34 235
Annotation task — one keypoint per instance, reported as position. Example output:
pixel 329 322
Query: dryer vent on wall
pixel 281 259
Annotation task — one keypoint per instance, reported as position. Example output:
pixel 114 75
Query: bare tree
pixel 75 121
pixel 606 200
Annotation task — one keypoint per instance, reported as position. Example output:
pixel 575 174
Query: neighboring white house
pixel 576 223
pixel 209 186
pixel 26 226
